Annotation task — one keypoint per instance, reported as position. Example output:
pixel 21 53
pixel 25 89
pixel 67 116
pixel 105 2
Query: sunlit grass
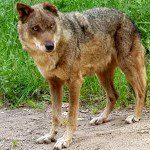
pixel 19 77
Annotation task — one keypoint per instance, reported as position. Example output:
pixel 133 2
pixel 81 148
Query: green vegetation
pixel 40 106
pixel 1 103
pixel 22 84
pixel 94 109
pixel 64 122
pixel 14 143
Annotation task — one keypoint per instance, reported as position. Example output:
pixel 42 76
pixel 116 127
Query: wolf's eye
pixel 35 28
pixel 52 25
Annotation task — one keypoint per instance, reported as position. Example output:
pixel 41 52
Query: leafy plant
pixel 14 143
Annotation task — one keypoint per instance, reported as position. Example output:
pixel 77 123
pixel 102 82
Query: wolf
pixel 67 46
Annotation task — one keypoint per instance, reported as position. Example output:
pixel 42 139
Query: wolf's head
pixel 38 29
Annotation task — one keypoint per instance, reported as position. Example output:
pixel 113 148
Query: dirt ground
pixel 21 127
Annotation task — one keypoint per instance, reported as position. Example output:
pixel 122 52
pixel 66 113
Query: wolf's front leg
pixel 66 139
pixel 56 87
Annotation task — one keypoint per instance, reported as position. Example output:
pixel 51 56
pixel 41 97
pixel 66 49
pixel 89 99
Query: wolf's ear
pixel 23 11
pixel 51 8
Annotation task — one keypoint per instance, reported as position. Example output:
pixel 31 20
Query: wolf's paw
pixel 131 119
pixel 45 139
pixel 62 143
pixel 97 121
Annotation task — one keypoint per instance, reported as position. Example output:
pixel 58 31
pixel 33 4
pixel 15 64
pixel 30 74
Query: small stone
pixel 65 113
pixel 65 105
pixel 80 119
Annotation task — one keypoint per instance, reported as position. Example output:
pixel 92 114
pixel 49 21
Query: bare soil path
pixel 23 126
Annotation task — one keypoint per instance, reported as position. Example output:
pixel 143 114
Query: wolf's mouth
pixel 48 51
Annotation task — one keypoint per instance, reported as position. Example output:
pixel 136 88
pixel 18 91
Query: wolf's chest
pixel 46 69
pixel 45 63
pixel 50 69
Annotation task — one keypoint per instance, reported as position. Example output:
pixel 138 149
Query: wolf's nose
pixel 49 46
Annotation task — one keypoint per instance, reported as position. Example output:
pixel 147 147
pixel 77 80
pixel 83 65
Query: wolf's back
pixel 102 22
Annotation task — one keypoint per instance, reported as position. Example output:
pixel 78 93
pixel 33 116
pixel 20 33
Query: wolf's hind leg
pixel 106 79
pixel 134 68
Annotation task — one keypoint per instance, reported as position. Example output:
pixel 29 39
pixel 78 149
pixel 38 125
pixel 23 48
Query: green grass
pixel 1 103
pixel 20 81
pixel 39 106
pixel 14 143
